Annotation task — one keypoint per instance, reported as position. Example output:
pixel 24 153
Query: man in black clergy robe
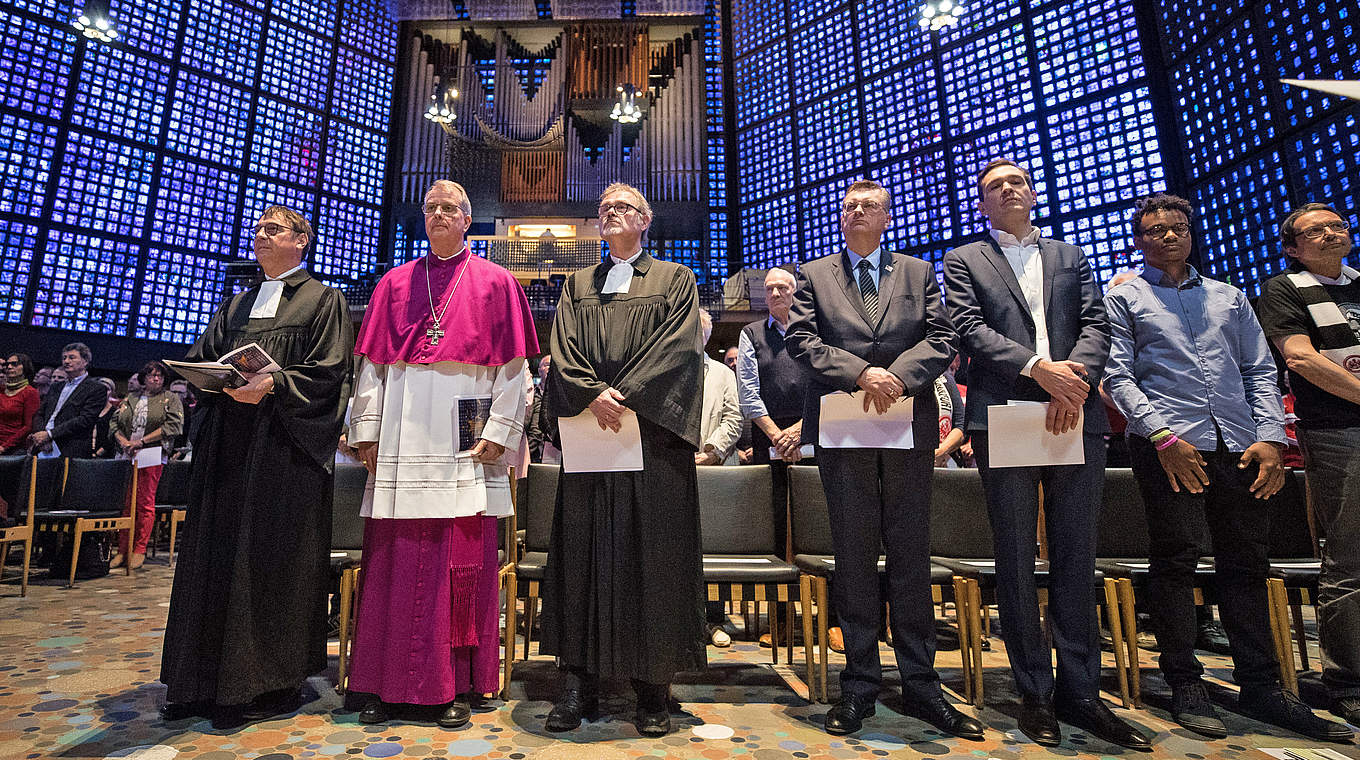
pixel 623 593
pixel 869 321
pixel 247 620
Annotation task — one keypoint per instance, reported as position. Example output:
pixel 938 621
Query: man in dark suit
pixel 1033 328
pixel 869 321
pixel 66 419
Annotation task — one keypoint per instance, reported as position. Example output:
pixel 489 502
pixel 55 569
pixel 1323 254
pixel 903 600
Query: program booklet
pixel 230 371
pixel 473 412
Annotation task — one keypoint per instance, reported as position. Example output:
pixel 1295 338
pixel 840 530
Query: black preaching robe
pixel 248 606
pixel 623 592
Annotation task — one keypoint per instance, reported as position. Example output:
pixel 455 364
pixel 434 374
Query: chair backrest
pixel 1289 532
pixel 808 516
pixel 538 494
pixel 173 488
pixel 98 485
pixel 347 527
pixel 735 514
pixel 14 475
pixel 50 480
pixel 1123 531
pixel 959 526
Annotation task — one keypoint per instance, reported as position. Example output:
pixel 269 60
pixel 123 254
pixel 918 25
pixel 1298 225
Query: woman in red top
pixel 18 404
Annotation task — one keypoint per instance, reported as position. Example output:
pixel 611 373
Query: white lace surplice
pixel 411 410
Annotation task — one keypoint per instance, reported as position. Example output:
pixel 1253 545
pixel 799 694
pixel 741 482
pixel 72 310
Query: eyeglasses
pixel 447 209
pixel 868 207
pixel 272 229
pixel 12 364
pixel 618 207
pixel 1340 227
pixel 1159 230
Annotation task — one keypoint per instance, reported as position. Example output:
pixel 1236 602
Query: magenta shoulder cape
pixel 488 323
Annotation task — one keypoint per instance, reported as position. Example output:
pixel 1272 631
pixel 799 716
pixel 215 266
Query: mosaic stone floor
pixel 78 680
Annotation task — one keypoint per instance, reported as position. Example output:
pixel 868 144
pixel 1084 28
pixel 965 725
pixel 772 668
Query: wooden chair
pixel 740 551
pixel 95 495
pixel 172 499
pixel 508 581
pixel 347 544
pixel 18 485
pixel 1294 573
pixel 536 496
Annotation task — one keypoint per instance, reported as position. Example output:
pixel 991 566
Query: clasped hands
pixel 608 408
pixel 881 388
pixel 1067 387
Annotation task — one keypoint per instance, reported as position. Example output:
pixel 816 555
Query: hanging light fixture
pixel 93 21
pixel 440 110
pixel 937 14
pixel 626 110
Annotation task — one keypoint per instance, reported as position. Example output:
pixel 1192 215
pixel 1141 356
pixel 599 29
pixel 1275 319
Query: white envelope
pixel 148 457
pixel 1016 438
pixel 807 450
pixel 587 448
pixel 844 424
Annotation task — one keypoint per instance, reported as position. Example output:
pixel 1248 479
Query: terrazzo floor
pixel 78 675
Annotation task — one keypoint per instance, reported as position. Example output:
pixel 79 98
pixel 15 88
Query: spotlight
pixel 626 110
pixel 93 21
pixel 937 14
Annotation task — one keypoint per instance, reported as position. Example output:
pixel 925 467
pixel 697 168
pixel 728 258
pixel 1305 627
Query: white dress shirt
pixel 1028 265
pixel 620 276
pixel 267 300
pixel 748 374
pixel 872 258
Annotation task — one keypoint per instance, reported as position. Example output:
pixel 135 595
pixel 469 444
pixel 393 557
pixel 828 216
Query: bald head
pixel 779 286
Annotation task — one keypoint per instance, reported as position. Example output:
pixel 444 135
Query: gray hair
pixel 448 184
pixel 81 349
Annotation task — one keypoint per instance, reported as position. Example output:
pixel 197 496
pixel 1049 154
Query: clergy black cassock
pixel 248 606
pixel 623 592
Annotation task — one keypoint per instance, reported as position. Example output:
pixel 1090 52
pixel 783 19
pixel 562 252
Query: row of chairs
pixel 76 497
pixel 744 561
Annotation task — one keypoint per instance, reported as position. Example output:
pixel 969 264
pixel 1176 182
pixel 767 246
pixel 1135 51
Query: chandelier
pixel 93 21
pixel 626 110
pixel 937 14
pixel 440 110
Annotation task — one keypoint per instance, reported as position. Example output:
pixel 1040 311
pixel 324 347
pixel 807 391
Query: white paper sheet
pixel 1016 438
pixel 1343 87
pixel 148 457
pixel 845 425
pixel 587 448
pixel 807 450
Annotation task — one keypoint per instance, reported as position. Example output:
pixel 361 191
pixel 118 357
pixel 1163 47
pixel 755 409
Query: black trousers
pixel 1239 527
pixel 879 502
pixel 1071 509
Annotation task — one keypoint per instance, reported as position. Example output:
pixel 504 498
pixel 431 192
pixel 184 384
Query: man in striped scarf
pixel 1312 314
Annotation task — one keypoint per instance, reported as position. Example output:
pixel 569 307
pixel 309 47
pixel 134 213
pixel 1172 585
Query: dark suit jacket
pixel 996 330
pixel 831 336
pixel 75 422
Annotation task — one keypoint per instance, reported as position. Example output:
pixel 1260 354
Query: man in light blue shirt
pixel 1190 368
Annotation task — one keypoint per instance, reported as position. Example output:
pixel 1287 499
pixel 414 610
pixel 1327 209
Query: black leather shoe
pixel 1095 717
pixel 1038 722
pixel 1212 638
pixel 1282 708
pixel 272 704
pixel 375 711
pixel 172 711
pixel 227 717
pixel 652 722
pixel 1348 709
pixel 847 716
pixel 456 715
pixel 939 713
pixel 575 704
pixel 1190 707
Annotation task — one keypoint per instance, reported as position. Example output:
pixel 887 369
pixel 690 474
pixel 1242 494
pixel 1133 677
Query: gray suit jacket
pixel 831 336
pixel 996 330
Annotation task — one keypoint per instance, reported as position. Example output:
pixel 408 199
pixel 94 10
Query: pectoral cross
pixel 434 334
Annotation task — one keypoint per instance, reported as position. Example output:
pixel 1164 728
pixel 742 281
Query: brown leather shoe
pixel 117 561
pixel 835 639
pixel 136 561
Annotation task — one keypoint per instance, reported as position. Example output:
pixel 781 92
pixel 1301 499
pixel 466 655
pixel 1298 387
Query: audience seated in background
pixel 59 375
pixel 18 404
pixel 42 380
pixel 151 418
pixel 64 425
pixel 103 449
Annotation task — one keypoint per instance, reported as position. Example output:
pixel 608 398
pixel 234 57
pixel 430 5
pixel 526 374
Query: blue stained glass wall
pixel 1064 90
pixel 131 171
pixel 1257 148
